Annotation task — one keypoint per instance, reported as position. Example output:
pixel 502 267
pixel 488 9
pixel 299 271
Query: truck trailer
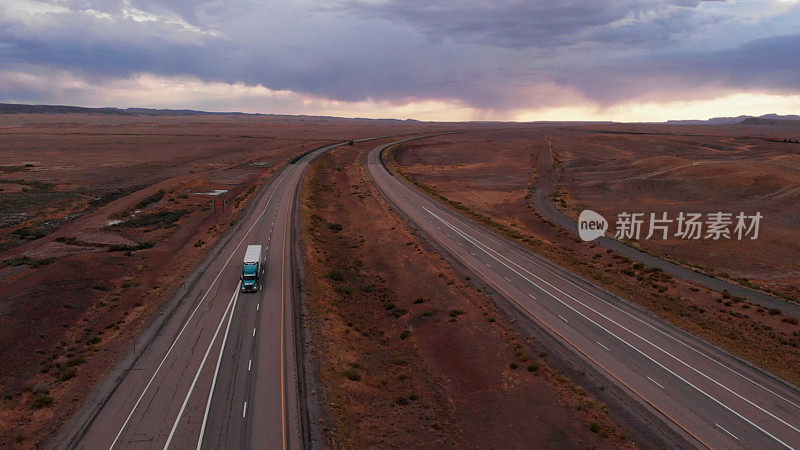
pixel 252 269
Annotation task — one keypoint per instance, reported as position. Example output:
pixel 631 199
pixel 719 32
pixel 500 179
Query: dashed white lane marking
pixel 258 306
pixel 531 296
pixel 249 365
pixel 232 302
pixel 487 250
pixel 186 324
pixel 601 345
pixel 656 382
pixel 729 433
pixel 562 318
pixel 254 332
pixel 507 279
pixel 473 254
pixel 244 410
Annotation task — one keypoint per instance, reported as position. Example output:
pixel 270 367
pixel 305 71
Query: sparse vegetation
pixel 154 198
pixel 650 287
pixel 43 401
pixel 130 248
pixel 28 261
pixel 335 275
pixel 160 219
pixel 352 375
pixel 68 373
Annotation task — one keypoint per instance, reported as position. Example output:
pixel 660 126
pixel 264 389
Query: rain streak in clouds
pixel 445 60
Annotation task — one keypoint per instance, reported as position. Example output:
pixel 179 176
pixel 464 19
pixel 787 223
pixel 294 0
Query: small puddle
pixel 214 192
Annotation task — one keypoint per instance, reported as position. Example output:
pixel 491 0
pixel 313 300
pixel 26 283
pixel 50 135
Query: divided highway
pixel 220 371
pixel 705 395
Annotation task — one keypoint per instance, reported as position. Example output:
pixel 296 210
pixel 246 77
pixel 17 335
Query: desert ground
pixel 411 353
pixel 102 216
pixel 700 169
pixel 611 168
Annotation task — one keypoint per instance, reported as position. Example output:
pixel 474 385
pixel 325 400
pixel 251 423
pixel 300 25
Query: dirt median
pixel 411 354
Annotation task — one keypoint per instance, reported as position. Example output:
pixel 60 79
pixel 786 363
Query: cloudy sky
pixel 619 60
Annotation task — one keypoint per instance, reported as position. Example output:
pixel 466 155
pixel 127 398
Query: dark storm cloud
pixel 489 55
pixel 524 24
pixel 767 63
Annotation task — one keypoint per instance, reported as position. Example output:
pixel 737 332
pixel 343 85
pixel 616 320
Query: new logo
pixel 591 225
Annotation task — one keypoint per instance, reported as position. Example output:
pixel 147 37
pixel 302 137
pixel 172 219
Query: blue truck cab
pixel 252 269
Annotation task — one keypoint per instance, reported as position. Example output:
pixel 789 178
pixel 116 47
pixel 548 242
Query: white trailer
pixel 252 269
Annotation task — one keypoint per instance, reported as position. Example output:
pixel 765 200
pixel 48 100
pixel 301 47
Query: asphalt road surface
pixel 181 390
pixel 705 395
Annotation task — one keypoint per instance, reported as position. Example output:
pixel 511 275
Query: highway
pixel 219 370
pixel 706 396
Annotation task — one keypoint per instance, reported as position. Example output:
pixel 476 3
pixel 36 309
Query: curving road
pixel 702 394
pixel 219 370
pixel 545 185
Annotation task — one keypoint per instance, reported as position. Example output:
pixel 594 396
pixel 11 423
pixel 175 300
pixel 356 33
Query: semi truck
pixel 252 269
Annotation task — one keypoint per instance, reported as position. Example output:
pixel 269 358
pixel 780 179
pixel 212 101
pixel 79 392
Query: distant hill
pixel 13 108
pixel 766 119
pixel 714 121
pixel 777 117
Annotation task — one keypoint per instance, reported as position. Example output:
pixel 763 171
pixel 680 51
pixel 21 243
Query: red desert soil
pixel 491 174
pixel 700 169
pixel 410 354
pixel 101 219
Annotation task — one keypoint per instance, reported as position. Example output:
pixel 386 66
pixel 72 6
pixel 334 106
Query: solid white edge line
pixel 723 429
pixel 180 333
pixel 539 264
pixel 703 374
pixel 656 382
pixel 524 256
pixel 216 373
pixel 479 245
pixel 200 368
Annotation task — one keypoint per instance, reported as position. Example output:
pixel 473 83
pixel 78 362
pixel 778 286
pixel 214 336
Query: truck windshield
pixel 250 270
